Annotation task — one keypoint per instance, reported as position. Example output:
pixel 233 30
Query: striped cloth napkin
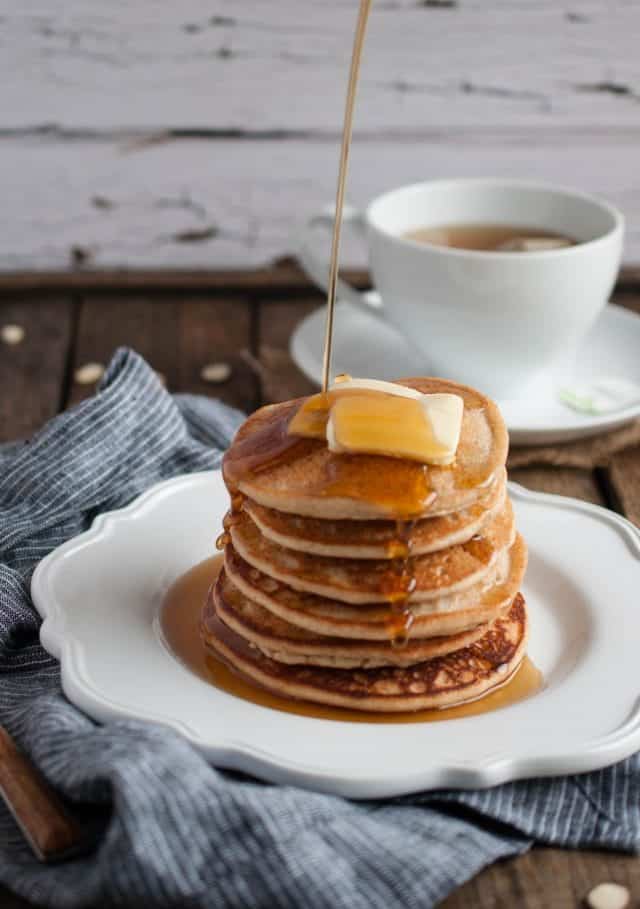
pixel 174 830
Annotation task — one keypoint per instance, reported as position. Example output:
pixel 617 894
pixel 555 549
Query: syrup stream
pixel 363 16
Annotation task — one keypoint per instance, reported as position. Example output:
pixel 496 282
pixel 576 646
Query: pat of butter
pixel 418 427
pixel 444 411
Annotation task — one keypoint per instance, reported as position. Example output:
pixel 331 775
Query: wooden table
pixel 181 322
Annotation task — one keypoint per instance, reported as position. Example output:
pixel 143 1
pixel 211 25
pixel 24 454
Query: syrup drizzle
pixel 398 583
pixel 268 446
pixel 358 43
pixel 231 517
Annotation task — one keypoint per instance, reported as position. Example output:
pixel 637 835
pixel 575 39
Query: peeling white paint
pixel 256 193
pixel 512 87
pixel 283 64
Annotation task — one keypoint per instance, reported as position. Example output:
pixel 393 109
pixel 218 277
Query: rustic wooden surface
pixel 249 328
pixel 198 134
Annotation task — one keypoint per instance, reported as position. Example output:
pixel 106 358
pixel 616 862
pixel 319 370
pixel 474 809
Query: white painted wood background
pixel 201 133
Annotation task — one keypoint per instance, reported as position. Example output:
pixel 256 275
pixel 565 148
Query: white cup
pixel 494 320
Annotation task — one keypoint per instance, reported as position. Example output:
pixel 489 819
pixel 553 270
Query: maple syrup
pixel 179 621
pixel 397 585
pixel 231 517
pixel 268 446
pixel 358 43
pixel 311 418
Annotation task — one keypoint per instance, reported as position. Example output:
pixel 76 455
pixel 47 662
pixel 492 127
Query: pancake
pixel 301 476
pixel 376 539
pixel 482 602
pixel 458 677
pixel 362 580
pixel 287 643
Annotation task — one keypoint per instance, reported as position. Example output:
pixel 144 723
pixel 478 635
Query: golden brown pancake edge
pixel 335 619
pixel 458 677
pixel 359 581
pixel 288 643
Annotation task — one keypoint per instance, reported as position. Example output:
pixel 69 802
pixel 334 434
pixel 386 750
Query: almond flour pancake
pixel 363 580
pixel 287 643
pixel 458 677
pixel 301 476
pixel 482 602
pixel 374 582
pixel 376 539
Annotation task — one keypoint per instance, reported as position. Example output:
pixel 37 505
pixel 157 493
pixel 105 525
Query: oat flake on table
pixel 12 334
pixel 215 373
pixel 89 373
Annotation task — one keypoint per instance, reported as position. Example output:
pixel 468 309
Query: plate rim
pixel 527 435
pixel 599 751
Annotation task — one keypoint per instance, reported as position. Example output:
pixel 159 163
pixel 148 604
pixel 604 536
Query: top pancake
pixel 301 476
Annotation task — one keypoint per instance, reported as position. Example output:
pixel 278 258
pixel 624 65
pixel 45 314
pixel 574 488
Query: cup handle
pixel 318 269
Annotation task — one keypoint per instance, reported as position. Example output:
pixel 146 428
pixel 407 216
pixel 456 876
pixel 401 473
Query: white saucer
pixel 585 639
pixel 366 346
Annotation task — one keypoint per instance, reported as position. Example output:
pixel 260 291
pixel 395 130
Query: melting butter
pixel 382 424
pixel 444 413
pixel 369 416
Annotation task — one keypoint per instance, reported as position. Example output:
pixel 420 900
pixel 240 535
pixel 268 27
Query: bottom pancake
pixel 287 643
pixel 464 675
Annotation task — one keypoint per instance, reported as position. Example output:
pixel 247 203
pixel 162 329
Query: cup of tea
pixel 493 281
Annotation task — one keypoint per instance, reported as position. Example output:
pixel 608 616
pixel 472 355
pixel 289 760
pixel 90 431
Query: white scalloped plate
pixel 99 595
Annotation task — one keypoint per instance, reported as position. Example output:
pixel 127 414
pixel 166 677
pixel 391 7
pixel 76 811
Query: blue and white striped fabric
pixel 175 830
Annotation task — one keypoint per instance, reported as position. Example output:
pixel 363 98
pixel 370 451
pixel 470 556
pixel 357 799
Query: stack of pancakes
pixel 318 544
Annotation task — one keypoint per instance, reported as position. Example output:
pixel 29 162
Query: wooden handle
pixel 52 833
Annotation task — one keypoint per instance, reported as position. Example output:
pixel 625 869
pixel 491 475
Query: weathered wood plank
pixel 150 67
pixel 196 203
pixel 541 879
pixel 546 879
pixel 177 337
pixel 281 277
pixel 280 377
pixel 284 275
pixel 629 297
pixel 623 475
pixel 32 373
pixel 580 484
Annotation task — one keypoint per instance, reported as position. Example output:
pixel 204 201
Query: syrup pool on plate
pixel 180 625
